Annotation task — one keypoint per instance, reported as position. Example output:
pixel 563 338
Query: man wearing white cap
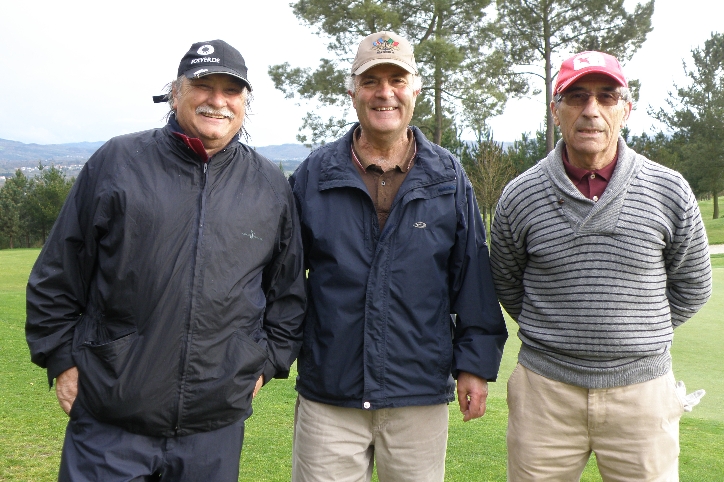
pixel 394 245
pixel 170 289
pixel 598 253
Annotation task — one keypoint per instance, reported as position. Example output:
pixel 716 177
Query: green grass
pixel 714 227
pixel 32 424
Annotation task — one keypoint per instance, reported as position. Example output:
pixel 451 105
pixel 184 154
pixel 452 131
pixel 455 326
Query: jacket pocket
pixel 111 356
pixel 251 357
pixel 221 388
pixel 101 371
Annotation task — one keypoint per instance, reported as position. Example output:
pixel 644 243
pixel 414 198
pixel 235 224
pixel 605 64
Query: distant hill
pixel 15 155
pixel 284 152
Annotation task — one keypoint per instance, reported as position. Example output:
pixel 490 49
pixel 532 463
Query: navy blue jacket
pixel 378 331
pixel 170 284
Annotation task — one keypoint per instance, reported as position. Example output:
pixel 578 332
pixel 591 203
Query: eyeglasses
pixel 579 99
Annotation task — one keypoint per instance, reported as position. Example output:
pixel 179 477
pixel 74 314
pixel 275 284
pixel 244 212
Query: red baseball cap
pixel 585 63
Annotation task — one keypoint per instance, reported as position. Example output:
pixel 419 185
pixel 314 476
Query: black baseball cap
pixel 210 57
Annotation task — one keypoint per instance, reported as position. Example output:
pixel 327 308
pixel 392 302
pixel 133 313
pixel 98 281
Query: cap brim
pixel 204 71
pixel 589 71
pixel 371 63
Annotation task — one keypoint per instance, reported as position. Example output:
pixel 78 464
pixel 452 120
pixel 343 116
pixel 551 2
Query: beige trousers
pixel 553 427
pixel 336 444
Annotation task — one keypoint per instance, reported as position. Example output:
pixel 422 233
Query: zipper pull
pixel 206 166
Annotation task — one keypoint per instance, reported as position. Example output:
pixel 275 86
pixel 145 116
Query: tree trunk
pixel 437 135
pixel 715 196
pixel 550 127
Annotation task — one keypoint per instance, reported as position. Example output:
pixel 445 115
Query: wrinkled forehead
pixel 384 70
pixel 595 82
pixel 216 78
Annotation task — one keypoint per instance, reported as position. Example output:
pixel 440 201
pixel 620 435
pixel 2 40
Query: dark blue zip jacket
pixel 170 284
pixel 378 331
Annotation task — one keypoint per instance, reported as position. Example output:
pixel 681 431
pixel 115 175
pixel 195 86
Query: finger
pixel 257 386
pixel 463 400
pixel 475 405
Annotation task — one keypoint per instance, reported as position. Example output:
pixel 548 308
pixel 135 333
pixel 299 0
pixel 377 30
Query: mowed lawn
pixel 32 424
pixel 714 227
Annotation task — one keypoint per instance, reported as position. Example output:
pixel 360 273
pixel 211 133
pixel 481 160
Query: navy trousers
pixel 94 451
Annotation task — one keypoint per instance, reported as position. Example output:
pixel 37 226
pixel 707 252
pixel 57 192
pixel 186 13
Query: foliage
pixel 528 150
pixel 32 424
pixel 658 147
pixel 46 196
pixel 696 115
pixel 452 47
pixel 533 31
pixel 30 206
pixel 489 170
pixel 13 212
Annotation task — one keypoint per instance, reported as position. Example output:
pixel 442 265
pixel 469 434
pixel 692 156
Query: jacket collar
pixel 338 170
pixel 193 143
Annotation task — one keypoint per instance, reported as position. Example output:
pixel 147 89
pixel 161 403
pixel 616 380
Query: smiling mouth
pixel 384 109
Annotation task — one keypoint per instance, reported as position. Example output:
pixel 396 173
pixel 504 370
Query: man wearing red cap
pixel 394 244
pixel 598 253
pixel 170 289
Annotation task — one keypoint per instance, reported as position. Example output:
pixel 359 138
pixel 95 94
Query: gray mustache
pixel 205 109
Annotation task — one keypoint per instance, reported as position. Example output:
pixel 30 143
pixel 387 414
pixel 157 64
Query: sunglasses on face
pixel 580 98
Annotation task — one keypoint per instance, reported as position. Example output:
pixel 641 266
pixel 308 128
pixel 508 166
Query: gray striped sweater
pixel 597 288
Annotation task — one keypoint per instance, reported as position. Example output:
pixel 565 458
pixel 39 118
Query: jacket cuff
pixel 480 357
pixel 270 372
pixel 59 361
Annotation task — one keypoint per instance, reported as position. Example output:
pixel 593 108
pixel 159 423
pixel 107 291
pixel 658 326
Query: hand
pixel 258 386
pixel 472 394
pixel 66 388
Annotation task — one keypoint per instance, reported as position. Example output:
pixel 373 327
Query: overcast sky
pixel 77 71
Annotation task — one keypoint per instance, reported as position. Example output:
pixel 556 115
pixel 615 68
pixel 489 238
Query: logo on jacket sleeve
pixel 419 225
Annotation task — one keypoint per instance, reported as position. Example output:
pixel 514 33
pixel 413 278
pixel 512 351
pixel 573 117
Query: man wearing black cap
pixel 598 253
pixel 170 288
pixel 394 244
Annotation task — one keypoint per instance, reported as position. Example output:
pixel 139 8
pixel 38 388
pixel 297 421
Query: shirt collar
pixel 577 173
pixel 404 165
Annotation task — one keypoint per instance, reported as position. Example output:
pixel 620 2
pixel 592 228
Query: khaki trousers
pixel 553 427
pixel 336 444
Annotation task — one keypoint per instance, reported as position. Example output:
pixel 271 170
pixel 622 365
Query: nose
pixel 384 90
pixel 592 108
pixel 216 98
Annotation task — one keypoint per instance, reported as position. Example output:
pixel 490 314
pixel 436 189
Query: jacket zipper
pixel 192 310
pixel 366 399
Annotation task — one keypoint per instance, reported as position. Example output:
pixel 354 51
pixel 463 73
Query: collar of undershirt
pixel 364 164
pixel 577 173
pixel 193 143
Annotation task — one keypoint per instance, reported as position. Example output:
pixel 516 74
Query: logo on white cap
pixel 589 59
pixel 205 50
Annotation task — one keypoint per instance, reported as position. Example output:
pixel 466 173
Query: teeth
pixel 385 108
